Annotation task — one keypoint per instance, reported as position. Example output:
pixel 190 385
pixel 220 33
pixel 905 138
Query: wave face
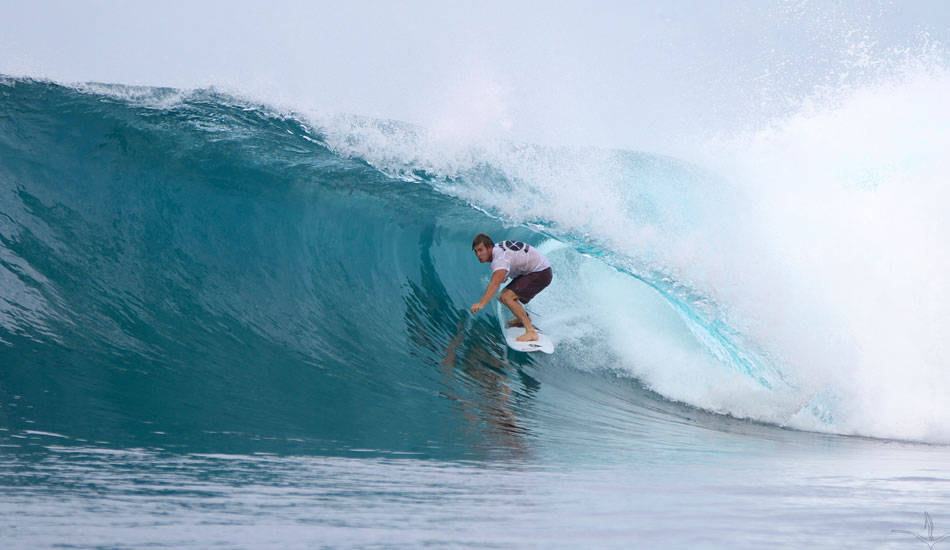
pixel 210 267
pixel 188 269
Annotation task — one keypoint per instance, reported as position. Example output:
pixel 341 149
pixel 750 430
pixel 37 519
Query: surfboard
pixel 511 334
pixel 543 343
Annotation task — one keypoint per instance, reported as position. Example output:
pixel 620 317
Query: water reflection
pixel 489 389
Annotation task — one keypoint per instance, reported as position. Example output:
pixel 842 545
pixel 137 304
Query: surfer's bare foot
pixel 528 336
pixel 515 323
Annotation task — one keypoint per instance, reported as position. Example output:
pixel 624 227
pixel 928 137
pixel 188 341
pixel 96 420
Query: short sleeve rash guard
pixel 517 258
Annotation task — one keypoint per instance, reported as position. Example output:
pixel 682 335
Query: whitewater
pixel 235 320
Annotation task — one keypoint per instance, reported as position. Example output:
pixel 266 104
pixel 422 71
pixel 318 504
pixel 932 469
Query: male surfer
pixel 530 273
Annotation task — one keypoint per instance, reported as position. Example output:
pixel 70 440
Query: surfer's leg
pixel 516 322
pixel 510 299
pixel 520 291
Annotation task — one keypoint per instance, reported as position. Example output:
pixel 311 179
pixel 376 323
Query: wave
pixel 180 267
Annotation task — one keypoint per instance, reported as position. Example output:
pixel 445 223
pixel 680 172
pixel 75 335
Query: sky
pixel 630 74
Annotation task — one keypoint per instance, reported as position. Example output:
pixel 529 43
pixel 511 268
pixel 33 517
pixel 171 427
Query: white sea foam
pixel 821 239
pixel 851 208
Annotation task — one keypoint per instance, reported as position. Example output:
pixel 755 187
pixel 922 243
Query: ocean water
pixel 224 324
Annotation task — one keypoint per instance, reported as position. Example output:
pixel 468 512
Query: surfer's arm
pixel 497 277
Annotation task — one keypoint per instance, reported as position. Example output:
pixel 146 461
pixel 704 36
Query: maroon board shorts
pixel 528 285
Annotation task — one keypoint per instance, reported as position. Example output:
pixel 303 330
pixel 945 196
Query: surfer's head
pixel 482 246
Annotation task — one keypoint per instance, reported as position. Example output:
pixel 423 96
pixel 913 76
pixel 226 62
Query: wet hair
pixel 484 239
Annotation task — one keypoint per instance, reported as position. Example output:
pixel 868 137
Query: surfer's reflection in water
pixel 475 378
pixel 496 400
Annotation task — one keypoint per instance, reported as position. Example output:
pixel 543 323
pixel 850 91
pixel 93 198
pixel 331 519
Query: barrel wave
pixel 193 270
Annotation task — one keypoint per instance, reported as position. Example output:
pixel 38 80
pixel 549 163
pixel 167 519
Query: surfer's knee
pixel 507 296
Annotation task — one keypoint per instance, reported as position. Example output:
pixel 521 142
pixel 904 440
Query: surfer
pixel 530 273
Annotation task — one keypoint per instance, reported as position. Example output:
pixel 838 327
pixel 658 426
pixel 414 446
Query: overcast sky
pixel 625 74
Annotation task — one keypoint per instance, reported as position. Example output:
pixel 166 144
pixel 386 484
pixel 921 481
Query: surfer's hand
pixel 477 307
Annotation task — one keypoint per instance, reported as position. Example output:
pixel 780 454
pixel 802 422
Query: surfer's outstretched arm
pixel 497 277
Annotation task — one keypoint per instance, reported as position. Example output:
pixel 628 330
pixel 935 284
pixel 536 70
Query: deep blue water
pixel 219 328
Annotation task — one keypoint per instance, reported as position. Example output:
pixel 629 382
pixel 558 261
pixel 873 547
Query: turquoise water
pixel 223 325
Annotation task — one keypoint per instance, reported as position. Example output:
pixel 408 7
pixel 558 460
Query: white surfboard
pixel 511 334
pixel 543 343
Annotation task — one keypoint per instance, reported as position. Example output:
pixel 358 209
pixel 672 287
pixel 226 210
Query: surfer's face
pixel 483 253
